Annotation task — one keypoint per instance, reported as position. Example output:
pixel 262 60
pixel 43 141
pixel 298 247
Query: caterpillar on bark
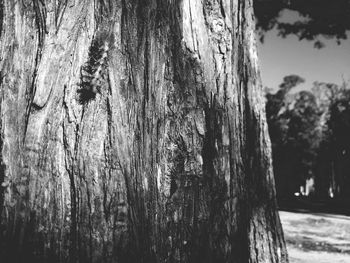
pixel 94 72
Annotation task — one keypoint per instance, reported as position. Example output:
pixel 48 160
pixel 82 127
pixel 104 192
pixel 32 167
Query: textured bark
pixel 134 131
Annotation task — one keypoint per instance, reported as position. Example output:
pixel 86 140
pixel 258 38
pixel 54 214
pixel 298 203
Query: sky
pixel 280 57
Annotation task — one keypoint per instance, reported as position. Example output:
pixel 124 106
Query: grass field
pixel 317 238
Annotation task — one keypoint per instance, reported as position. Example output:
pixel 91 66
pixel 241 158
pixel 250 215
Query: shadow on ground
pixel 316 237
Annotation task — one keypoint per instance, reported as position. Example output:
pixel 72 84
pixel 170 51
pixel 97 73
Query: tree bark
pixel 134 131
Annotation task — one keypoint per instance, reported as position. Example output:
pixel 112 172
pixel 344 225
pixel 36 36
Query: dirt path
pixel 317 238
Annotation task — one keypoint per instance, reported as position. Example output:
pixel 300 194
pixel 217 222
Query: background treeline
pixel 310 134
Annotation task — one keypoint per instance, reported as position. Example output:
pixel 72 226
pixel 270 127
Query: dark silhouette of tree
pixel 332 158
pixel 302 138
pixel 276 107
pixel 339 125
pixel 326 94
pixel 283 122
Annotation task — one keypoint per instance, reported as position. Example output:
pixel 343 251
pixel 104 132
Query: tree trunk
pixel 134 131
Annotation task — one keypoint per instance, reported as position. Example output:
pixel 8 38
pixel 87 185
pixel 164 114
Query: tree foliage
pixel 317 18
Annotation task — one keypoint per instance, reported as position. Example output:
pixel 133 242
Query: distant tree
pixel 339 126
pixel 310 137
pixel 303 137
pixel 278 109
pixel 332 164
pixel 326 94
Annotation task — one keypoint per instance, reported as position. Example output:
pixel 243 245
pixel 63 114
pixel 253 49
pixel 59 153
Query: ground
pixel 317 237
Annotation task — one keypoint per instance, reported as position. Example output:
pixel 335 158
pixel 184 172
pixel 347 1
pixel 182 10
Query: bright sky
pixel 280 57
